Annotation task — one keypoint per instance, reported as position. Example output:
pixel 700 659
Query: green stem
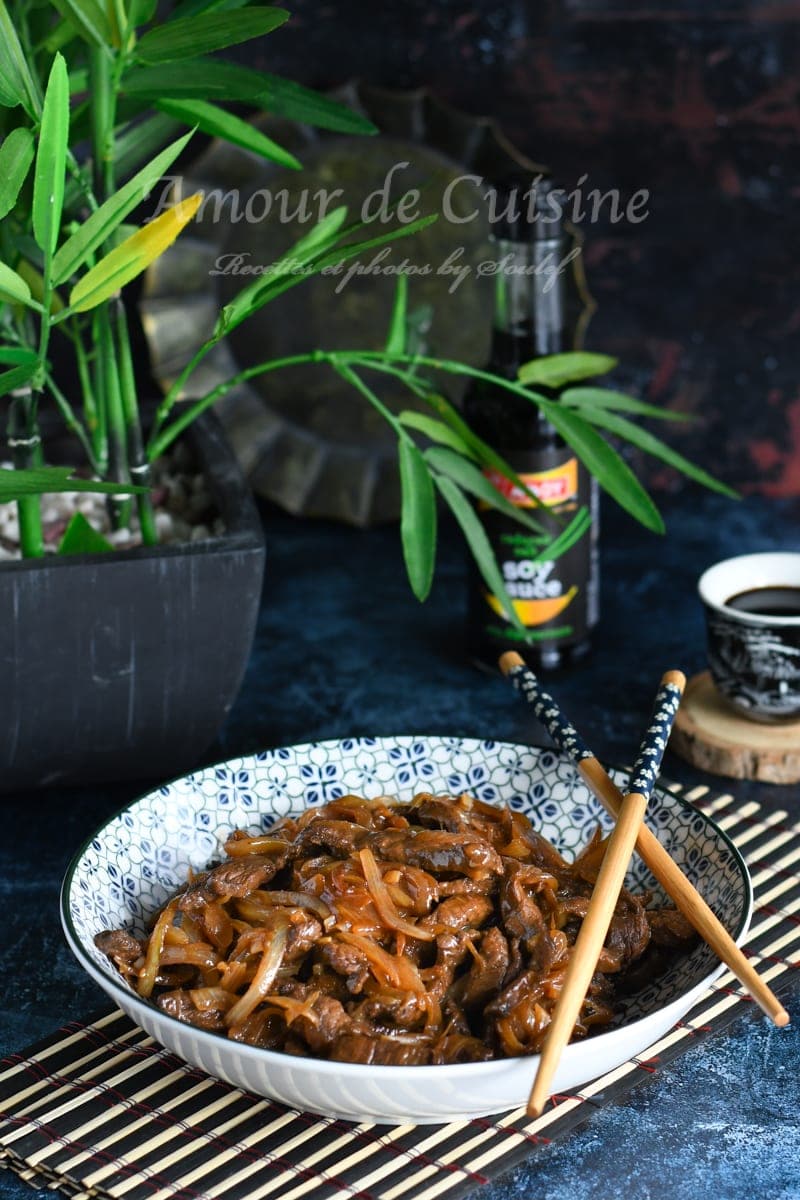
pixel 26 451
pixel 23 430
pixel 118 469
pixel 160 441
pixel 349 375
pixel 87 389
pixel 139 467
pixel 103 80
pixel 98 391
pixel 173 394
pixel 373 360
pixel 70 418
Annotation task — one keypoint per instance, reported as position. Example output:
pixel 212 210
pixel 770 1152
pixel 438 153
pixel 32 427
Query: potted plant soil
pixel 122 651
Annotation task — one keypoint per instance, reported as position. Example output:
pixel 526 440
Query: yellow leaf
pixel 35 282
pixel 132 256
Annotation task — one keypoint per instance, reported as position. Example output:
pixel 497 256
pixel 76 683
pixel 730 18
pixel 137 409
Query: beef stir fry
pixel 376 932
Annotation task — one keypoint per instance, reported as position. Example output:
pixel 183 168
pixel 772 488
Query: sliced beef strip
pixel 451 951
pixel 522 918
pixel 348 961
pixel 120 946
pixel 179 1004
pixel 382 1050
pixel 459 912
pixel 628 935
pixel 340 838
pixel 670 929
pixel 485 978
pixel 435 850
pixel 237 877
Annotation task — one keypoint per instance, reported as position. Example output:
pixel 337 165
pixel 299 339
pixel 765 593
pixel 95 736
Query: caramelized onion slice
pixel 395 970
pixel 214 998
pixel 272 899
pixel 261 844
pixel 292 1009
pixel 155 947
pixel 193 954
pixel 384 903
pixel 265 972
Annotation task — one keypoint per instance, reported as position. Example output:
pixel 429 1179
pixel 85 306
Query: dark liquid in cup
pixel 768 601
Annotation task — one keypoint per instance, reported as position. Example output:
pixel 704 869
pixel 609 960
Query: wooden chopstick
pixel 683 893
pixel 605 894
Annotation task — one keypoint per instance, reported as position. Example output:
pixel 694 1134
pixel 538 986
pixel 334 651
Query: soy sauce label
pixel 557 486
pixel 555 599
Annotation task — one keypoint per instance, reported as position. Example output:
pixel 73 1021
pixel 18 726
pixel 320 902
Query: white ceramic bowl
pixel 142 855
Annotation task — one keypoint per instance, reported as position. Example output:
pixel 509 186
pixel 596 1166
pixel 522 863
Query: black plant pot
pixel 124 665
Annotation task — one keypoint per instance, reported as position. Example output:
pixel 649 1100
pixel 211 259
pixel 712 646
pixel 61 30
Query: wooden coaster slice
pixel 710 734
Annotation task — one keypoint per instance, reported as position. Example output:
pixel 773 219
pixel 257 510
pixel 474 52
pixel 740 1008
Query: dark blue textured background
pixel 342 648
pixel 695 101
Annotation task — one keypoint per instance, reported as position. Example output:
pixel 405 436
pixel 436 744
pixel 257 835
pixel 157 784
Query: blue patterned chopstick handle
pixel 565 735
pixel 654 743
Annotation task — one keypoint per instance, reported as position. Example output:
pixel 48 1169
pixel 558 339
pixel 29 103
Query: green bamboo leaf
pixel 18 355
pixel 79 81
pixel 275 285
pixel 396 339
pixel 481 450
pixel 82 538
pixel 590 397
pixel 206 32
pixel 16 156
pixel 38 481
pixel 13 288
pixel 212 79
pixel 48 178
pixel 293 263
pixel 139 140
pixel 479 544
pixel 141 12
pixel 602 461
pixel 296 103
pixel 471 479
pixel 437 431
pixel 212 119
pixel 17 85
pixel 654 446
pixel 201 79
pixel 342 254
pixel 187 8
pixel 132 256
pixel 578 526
pixel 8 97
pixel 102 223
pixel 89 18
pixel 17 377
pixel 554 370
pixel 418 519
pixel 60 36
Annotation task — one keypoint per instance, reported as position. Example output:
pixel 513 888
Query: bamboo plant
pixel 97 101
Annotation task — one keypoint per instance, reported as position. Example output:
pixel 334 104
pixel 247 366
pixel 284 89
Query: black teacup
pixel 752 606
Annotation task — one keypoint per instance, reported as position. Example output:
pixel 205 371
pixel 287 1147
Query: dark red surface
pixel 694 101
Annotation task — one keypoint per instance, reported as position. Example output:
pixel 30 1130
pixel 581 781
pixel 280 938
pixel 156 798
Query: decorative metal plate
pixel 305 439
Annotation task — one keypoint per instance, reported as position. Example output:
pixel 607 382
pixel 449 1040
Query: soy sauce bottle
pixel 556 600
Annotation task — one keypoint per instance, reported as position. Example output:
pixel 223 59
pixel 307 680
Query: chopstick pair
pixel 630 832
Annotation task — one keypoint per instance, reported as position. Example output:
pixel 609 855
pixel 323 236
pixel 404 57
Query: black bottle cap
pixel 526 208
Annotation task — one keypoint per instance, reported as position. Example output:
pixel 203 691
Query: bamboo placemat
pixel 99 1110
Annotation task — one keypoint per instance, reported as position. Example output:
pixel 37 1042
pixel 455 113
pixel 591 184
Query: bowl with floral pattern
pixel 141 856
